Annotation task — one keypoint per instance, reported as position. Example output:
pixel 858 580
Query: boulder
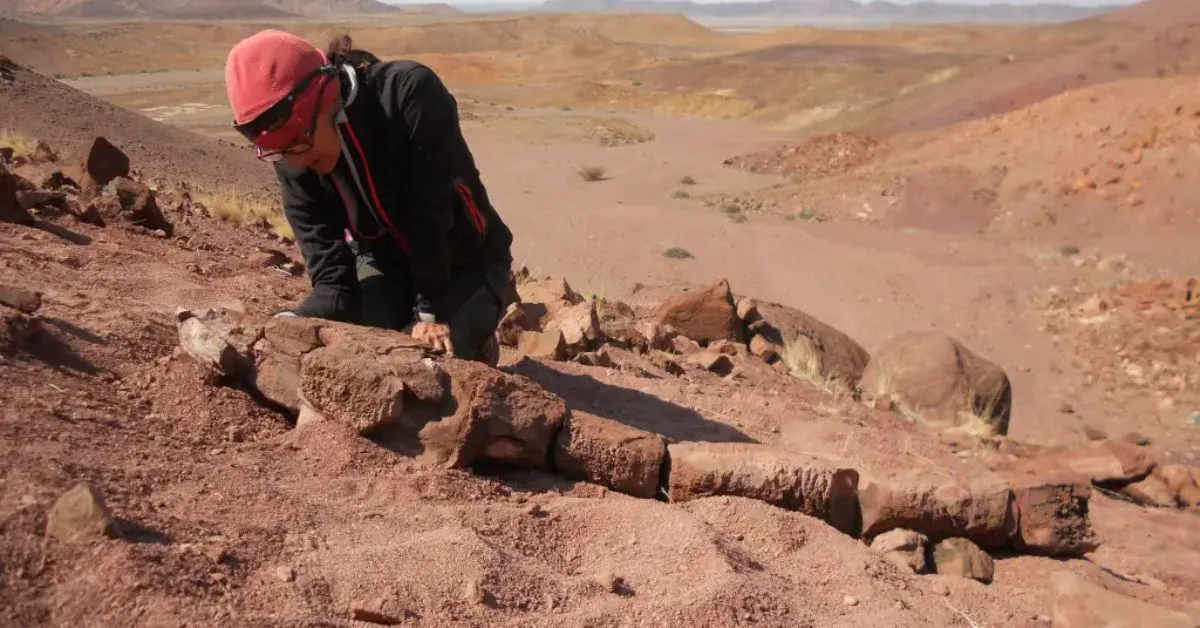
pixel 578 324
pixel 1080 604
pixel 814 486
pixel 904 548
pixel 939 381
pixel 605 452
pixel 104 163
pixel 980 508
pixel 703 315
pixel 545 296
pixel 962 558
pixel 548 345
pixel 617 321
pixel 136 203
pixel 807 346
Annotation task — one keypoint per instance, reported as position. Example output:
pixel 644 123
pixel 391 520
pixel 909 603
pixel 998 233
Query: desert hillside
pixel 813 327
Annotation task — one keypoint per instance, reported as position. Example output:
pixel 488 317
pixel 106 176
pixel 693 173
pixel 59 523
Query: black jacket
pixel 406 188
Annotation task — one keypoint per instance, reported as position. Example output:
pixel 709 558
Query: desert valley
pixel 882 315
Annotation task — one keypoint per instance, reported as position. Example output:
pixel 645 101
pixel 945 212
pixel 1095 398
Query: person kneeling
pixel 380 188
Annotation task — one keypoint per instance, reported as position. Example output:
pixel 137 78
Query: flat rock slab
pixel 1108 463
pixel 609 453
pixel 705 315
pixel 814 486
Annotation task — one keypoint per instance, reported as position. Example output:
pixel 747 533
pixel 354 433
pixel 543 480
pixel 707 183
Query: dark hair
pixel 341 50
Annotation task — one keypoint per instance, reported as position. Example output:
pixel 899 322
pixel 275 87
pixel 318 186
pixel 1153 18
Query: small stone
pixel 713 361
pixel 960 557
pixel 80 514
pixel 607 580
pixel 385 611
pixel 25 301
pixel 285 573
pixel 903 548
pixel 474 593
pixel 1094 433
pixel 850 600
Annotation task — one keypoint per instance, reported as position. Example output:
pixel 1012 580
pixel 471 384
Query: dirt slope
pixel 1153 39
pixel 229 515
pixel 68 119
pixel 136 47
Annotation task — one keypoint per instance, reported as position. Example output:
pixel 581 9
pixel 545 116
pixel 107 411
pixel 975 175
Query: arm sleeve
pixel 427 162
pixel 318 222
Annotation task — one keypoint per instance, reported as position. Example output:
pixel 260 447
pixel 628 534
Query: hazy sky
pixel 1085 3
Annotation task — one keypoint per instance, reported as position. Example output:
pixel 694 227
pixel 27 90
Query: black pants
pixel 473 305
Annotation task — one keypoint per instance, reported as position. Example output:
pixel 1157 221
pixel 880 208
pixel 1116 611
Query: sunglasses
pixel 280 121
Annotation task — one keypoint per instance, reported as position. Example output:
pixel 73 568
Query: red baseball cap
pixel 264 68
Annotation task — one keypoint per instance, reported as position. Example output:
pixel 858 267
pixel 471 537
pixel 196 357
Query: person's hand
pixel 436 335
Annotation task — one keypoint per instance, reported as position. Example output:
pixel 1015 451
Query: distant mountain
pixel 207 9
pixel 106 9
pixel 323 8
pixel 920 12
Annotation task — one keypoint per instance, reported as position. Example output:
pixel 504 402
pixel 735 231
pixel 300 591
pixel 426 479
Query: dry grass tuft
pixel 802 358
pixel 593 173
pixel 676 252
pixel 22 144
pixel 618 132
pixel 229 205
